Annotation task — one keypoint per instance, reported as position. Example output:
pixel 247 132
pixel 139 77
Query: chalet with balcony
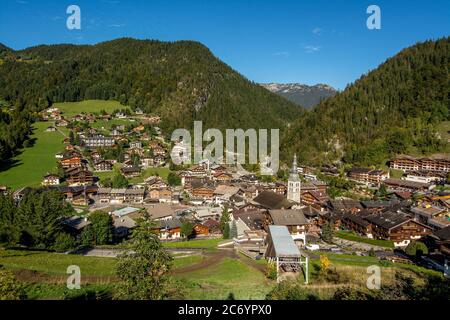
pixel 397 227
pixel 79 177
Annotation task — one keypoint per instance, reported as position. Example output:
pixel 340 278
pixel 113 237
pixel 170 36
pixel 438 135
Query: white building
pixel 294 183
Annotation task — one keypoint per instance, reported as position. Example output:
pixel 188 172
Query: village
pixel 297 215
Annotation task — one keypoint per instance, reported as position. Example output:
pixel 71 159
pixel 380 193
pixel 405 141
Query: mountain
pixel 396 108
pixel 179 81
pixel 301 94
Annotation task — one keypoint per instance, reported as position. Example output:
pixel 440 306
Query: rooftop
pixel 283 244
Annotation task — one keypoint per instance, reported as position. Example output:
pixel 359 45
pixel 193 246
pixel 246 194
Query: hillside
pixel 180 81
pixel 396 108
pixel 301 94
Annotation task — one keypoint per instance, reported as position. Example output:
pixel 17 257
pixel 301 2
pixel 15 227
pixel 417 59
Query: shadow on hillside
pixel 5 166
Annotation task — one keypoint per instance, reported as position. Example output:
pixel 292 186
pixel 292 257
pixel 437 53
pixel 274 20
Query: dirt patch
pixel 214 258
pixel 210 259
pixel 33 276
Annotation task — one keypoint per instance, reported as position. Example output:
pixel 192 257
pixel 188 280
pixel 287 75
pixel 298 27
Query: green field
pixel 353 237
pixel 228 276
pixel 70 109
pixel 56 264
pixel 33 163
pixel 161 172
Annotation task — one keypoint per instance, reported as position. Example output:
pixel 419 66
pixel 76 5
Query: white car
pixel 312 247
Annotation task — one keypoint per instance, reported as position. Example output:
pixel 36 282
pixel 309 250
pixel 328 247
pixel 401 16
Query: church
pixel 294 183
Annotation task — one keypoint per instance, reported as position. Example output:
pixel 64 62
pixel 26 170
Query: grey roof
pixel 282 242
pixel 288 217
pixel 169 224
pixel 135 191
pixel 389 219
pixel 161 211
pixel 76 222
pixel 443 234
pixel 124 222
pixel 124 211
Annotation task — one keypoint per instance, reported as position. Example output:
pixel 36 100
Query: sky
pixel 283 41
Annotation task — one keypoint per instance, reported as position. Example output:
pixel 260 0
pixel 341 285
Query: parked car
pixel 313 247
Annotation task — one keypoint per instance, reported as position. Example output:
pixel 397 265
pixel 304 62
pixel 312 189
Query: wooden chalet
pixel 79 177
pixel 397 227
pixel 131 172
pixel 71 162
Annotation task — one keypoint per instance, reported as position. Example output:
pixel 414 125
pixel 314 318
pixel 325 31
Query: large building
pixel 294 183
pixel 98 142
pixel 368 176
pixel 438 162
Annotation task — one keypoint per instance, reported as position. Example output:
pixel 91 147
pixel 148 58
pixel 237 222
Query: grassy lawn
pixel 353 237
pixel 208 243
pixel 70 109
pixel 107 125
pixel 161 172
pixel 186 261
pixel 56 264
pixel 33 163
pixel 229 276
pixel 396 174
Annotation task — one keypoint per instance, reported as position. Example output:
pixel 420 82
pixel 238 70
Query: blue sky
pixel 306 41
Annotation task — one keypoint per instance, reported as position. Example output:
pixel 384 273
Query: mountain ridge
pixel 302 94
pixel 181 81
pixel 395 108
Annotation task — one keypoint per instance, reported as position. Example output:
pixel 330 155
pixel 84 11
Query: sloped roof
pixel 281 243
pixel 161 210
pixel 389 219
pixel 443 234
pixel 288 217
pixel 271 200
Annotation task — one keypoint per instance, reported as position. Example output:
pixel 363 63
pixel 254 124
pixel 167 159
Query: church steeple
pixel 294 183
pixel 294 165
pixel 294 171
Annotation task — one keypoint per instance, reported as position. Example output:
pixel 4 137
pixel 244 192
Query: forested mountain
pixel 393 109
pixel 301 94
pixel 180 81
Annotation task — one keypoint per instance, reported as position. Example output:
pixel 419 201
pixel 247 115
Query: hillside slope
pixel 394 109
pixel 180 81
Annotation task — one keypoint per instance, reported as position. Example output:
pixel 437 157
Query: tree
pixel 10 288
pixel 226 231
pixel 64 242
pixel 71 138
pixel 9 231
pixel 328 232
pixel 416 249
pixel 143 269
pixel 173 179
pixel 233 230
pixel 119 181
pixel 225 223
pixel 324 264
pixel 102 227
pixel 187 230
pixel 39 217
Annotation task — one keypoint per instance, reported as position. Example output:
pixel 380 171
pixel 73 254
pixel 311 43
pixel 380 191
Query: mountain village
pixel 99 170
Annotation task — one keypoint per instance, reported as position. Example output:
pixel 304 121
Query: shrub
pixel 64 242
